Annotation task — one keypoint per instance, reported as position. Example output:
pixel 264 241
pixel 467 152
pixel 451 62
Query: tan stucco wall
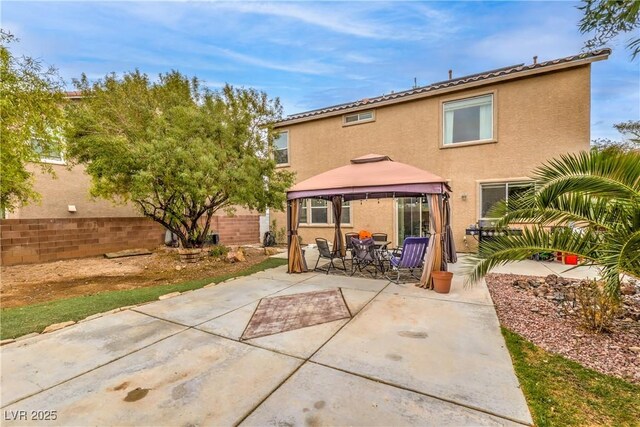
pixel 537 118
pixel 69 187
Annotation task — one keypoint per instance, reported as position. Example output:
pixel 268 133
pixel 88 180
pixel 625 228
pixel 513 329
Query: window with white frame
pixel 492 193
pixel 468 120
pixel 345 218
pixel 281 152
pixel 361 117
pixel 320 212
pixel 51 154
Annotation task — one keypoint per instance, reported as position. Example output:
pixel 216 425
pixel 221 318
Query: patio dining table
pixel 382 254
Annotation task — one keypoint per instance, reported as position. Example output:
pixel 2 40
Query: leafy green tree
pixel 608 18
pixel 630 133
pixel 177 150
pixel 31 122
pixel 596 192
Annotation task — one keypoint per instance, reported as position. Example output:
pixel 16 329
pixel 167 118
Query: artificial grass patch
pixel 561 392
pixel 18 321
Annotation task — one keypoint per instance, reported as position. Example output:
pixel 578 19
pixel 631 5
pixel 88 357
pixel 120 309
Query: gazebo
pixel 375 176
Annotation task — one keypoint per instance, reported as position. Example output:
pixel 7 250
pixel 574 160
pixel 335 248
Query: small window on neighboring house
pixel 468 120
pixel 490 194
pixel 365 116
pixel 281 153
pixel 48 155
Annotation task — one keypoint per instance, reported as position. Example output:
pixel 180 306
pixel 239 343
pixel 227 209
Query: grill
pixel 486 230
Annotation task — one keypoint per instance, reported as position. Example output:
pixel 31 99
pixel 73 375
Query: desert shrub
pixel 218 251
pixel 597 308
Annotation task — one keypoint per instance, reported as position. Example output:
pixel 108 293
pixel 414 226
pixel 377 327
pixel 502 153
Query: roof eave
pixel 469 85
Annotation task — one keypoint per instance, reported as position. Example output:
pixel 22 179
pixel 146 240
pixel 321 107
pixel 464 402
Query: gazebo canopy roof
pixel 370 177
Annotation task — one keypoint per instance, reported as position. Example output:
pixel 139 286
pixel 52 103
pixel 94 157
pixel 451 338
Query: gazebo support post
pixel 289 261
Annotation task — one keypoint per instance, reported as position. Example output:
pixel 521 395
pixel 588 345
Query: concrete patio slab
pixel 542 268
pixel 302 342
pixel 198 307
pixel 340 281
pixel 450 350
pixel 41 362
pixel 231 325
pixel 319 396
pixel 192 378
pixel 280 273
pixel 476 294
pixel 356 300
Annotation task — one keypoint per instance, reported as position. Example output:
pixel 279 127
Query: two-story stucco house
pixel 484 133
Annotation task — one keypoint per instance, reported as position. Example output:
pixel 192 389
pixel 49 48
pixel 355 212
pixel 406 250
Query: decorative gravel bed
pixel 535 307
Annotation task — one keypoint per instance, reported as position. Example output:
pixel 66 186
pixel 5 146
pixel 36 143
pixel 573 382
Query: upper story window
pixel 495 192
pixel 48 154
pixel 468 120
pixel 361 117
pixel 281 152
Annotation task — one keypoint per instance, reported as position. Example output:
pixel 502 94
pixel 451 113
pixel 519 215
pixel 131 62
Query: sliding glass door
pixel 413 218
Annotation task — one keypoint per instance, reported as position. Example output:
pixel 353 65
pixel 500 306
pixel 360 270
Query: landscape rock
pixel 628 289
pixel 269 250
pixel 635 349
pixel 167 296
pixel 24 337
pixel 236 256
pixel 58 326
pixel 551 280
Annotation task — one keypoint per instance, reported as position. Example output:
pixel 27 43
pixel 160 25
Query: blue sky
pixel 312 55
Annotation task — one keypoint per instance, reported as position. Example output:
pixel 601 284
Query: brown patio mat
pixel 289 312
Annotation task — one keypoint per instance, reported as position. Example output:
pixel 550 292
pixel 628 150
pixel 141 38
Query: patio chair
pixel 364 255
pixel 324 252
pixel 347 240
pixel 381 245
pixel 379 237
pixel 411 258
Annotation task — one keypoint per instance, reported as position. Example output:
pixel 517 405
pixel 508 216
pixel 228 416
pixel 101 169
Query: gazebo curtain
pixel 338 243
pixel 449 245
pixel 297 263
pixel 433 259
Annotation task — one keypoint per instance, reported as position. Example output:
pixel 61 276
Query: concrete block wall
pixel 28 241
pixel 238 229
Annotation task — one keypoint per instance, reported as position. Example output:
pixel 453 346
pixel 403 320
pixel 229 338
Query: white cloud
pixel 354 19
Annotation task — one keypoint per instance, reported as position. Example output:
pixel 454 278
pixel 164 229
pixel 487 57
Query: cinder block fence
pixel 28 241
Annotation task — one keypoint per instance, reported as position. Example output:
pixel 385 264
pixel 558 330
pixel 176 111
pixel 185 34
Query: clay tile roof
pixel 73 94
pixel 447 84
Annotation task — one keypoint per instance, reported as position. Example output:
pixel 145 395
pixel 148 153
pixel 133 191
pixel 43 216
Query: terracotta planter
pixel 190 255
pixel 442 281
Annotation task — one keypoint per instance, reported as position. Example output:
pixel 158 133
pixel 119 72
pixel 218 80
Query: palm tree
pixel 597 193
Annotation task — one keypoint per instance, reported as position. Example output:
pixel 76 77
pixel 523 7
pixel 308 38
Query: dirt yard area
pixel 22 285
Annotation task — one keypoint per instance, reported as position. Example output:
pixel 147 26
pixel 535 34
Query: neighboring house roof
pixel 73 95
pixel 484 78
